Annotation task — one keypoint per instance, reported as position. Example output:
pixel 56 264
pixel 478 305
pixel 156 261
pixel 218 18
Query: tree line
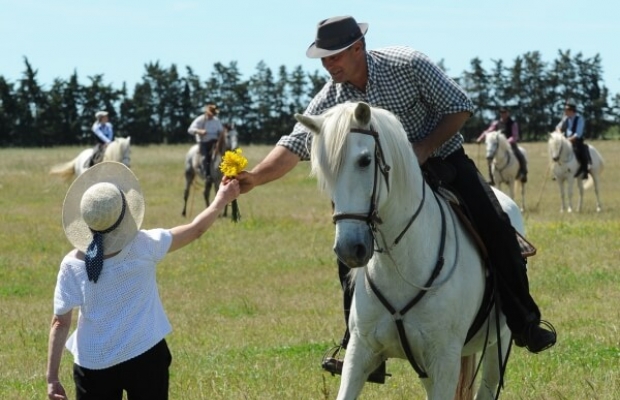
pixel 163 104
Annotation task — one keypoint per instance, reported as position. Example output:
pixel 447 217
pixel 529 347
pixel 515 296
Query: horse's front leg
pixel 599 206
pixel 188 183
pixel 562 185
pixel 359 362
pixel 580 189
pixel 511 188
pixel 443 373
pixel 522 196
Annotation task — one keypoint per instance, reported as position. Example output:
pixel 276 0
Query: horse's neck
pixel 567 150
pixel 413 201
pixel 502 150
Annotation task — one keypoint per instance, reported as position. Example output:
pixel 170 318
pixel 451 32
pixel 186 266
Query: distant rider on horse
pixel 510 129
pixel 207 129
pixel 572 126
pixel 104 134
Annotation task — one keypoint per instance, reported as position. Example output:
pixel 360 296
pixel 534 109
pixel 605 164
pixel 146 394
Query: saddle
pixel 438 175
pixel 97 157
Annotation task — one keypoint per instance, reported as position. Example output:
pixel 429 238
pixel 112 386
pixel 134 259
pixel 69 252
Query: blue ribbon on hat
pixel 94 253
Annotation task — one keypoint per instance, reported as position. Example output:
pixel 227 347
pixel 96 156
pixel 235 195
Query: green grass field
pixel 254 305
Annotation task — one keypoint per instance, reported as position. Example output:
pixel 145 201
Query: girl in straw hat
pixel 119 343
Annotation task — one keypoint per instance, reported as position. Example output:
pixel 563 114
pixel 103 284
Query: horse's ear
pixel 312 122
pixel 362 113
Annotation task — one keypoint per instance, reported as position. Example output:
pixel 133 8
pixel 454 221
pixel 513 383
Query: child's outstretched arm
pixel 183 235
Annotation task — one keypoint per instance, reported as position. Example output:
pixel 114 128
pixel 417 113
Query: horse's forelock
pixel 329 145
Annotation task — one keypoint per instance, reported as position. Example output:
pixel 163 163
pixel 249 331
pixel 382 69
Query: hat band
pixel 93 258
pixel 338 42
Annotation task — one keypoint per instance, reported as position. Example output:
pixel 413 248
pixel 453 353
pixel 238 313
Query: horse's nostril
pixel 360 251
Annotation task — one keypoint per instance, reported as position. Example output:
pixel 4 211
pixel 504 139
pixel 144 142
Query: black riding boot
pixel 522 174
pixel 522 313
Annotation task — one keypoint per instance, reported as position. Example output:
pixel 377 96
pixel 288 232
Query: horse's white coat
pixel 505 164
pixel 565 164
pixel 118 150
pixel 344 163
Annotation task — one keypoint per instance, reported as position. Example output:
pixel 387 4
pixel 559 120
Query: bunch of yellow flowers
pixel 233 162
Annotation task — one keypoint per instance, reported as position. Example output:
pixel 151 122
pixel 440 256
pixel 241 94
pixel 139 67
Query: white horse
pixel 565 165
pixel 505 165
pixel 117 150
pixel 391 225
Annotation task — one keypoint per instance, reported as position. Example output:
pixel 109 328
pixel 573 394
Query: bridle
pixel 558 159
pixel 508 157
pixel 372 218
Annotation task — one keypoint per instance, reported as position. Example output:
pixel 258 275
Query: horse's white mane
pixel 328 147
pixel 556 141
pixel 118 148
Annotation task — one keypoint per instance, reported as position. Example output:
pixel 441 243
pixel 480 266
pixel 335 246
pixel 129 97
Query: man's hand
pixel 247 181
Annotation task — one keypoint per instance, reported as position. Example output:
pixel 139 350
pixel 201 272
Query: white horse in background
pixel 504 164
pixel 117 150
pixel 419 276
pixel 565 165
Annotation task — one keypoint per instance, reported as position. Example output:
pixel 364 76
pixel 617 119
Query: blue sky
pixel 117 37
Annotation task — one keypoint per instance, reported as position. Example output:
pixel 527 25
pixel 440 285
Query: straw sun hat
pixel 94 202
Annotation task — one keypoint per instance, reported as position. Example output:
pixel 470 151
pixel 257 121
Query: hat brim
pixel 317 52
pixel 78 232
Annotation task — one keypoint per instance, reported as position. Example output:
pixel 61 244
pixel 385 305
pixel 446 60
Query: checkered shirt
pixel 401 80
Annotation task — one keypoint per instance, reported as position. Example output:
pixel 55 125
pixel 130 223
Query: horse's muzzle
pixel 354 244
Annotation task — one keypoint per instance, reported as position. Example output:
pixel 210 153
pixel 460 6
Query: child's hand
pixel 229 190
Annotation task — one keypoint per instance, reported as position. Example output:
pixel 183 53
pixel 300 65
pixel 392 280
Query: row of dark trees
pixel 161 106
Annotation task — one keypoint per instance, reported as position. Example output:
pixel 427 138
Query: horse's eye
pixel 364 161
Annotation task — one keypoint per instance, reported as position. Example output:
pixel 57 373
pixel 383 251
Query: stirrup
pixel 332 363
pixel 522 339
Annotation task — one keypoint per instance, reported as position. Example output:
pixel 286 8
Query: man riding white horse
pixel 432 108
pixel 104 134
pixel 572 126
pixel 510 129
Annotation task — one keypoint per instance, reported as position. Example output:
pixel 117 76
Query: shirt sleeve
pixel 159 241
pixel 514 138
pixel 299 141
pixel 192 130
pixel 439 90
pixel 580 127
pixel 67 294
pixel 97 130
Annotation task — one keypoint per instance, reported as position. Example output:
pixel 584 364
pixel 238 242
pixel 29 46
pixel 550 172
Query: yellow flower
pixel 233 163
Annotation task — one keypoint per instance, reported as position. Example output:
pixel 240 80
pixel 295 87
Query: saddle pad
pixel 527 248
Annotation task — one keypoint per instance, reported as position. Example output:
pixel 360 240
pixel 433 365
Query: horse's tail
pixel 464 390
pixel 65 170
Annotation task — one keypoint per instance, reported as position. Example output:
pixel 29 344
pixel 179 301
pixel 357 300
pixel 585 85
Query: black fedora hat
pixel 334 35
